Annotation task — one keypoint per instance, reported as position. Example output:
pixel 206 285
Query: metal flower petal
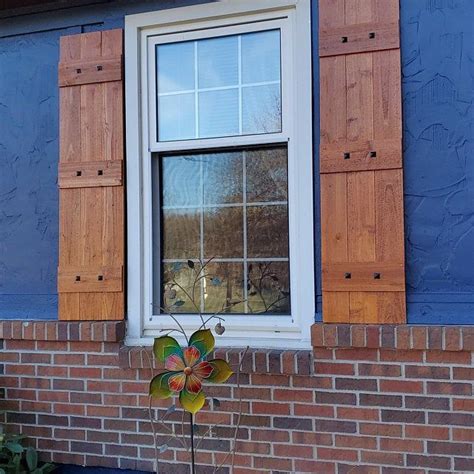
pixel 193 384
pixel 177 381
pixel 174 363
pixel 191 356
pixel 203 340
pixel 202 370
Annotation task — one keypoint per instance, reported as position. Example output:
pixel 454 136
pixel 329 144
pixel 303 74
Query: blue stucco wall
pixel 438 89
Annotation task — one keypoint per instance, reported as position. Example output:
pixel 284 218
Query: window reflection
pixel 226 212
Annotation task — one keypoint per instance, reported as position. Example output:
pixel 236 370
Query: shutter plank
pixel 387 93
pixel 333 99
pixel 361 216
pixel 359 97
pixel 361 108
pixel 389 220
pixel 92 137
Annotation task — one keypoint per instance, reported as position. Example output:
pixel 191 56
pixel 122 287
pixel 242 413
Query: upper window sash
pixel 281 24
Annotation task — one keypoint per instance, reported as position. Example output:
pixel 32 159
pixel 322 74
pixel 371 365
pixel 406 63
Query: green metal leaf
pixel 165 346
pixel 31 458
pixel 192 402
pixel 159 386
pixel 221 371
pixel 203 340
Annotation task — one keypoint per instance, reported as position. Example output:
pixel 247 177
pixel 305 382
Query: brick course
pixel 367 399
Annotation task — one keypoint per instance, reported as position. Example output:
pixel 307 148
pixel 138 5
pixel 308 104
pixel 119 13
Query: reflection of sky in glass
pixel 221 86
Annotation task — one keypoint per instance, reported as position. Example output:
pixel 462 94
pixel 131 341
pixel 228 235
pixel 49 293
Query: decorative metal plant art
pixel 187 369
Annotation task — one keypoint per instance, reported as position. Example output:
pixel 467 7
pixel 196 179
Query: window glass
pixel 218 87
pixel 227 211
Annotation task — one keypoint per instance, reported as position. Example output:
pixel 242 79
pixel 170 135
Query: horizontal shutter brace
pixel 102 69
pixel 90 279
pixel 362 38
pixel 90 174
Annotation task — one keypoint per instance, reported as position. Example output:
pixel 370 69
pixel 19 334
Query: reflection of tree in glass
pixel 222 288
pixel 268 288
pixel 186 284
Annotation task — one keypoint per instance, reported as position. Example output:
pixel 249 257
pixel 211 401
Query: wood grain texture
pixel 361 194
pixel 360 38
pixel 92 204
pixel 91 174
pixel 90 280
pixel 341 157
pixel 90 72
pixel 363 276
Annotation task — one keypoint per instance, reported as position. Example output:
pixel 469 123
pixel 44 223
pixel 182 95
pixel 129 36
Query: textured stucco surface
pixel 438 89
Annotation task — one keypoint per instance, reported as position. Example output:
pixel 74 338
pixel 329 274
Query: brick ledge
pixel 260 361
pixel 400 337
pixel 86 331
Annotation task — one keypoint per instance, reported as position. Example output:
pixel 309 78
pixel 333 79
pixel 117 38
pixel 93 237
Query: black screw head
pixel 347 156
pixel 347 276
pixel 78 71
pixel 100 172
pixel 78 173
pixel 377 276
pixel 100 277
pixel 373 154
pixel 372 35
pixel 99 68
pixel 78 278
pixel 344 39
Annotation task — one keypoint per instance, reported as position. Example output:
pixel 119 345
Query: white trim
pixel 293 16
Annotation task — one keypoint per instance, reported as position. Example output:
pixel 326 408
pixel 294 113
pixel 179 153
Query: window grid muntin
pixel 240 86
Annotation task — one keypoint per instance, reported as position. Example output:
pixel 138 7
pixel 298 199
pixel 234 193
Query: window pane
pixel 237 91
pixel 269 287
pixel 176 117
pixel 261 57
pixel 181 181
pixel 175 64
pixel 223 232
pixel 228 213
pixel 181 233
pixel 218 63
pixel 261 109
pixel 218 113
pixel 267 231
pixel 267 175
pixel 224 288
pixel 224 171
pixel 178 279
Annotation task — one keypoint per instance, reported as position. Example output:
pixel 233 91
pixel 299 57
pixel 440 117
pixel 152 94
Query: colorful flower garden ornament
pixel 187 369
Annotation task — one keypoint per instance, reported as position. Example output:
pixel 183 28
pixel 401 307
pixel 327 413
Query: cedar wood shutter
pixel 363 277
pixel 91 194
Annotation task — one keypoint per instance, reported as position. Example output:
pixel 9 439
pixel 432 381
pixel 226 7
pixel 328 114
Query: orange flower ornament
pixel 187 369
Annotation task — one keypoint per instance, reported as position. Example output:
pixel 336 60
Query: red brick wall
pixel 368 399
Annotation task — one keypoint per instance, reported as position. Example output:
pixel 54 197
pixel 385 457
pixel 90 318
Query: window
pixel 219 170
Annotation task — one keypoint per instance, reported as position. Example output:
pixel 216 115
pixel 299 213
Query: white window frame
pixel 142 32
